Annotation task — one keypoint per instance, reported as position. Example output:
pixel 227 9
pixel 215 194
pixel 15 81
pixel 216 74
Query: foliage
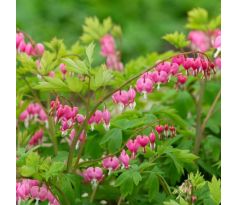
pixel 156 173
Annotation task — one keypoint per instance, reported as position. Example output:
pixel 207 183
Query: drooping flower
pixel 133 146
pixel 143 141
pixel 125 159
pixel 111 163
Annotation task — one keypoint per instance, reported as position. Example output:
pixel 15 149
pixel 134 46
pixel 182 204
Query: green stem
pixel 93 193
pixel 199 136
pixel 120 200
pixel 198 118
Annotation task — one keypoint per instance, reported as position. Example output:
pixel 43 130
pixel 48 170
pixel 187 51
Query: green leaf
pixel 197 19
pixel 171 202
pixel 146 165
pixel 126 183
pixel 197 180
pixel 76 66
pixel 51 84
pixel 91 30
pixel 27 171
pixel 102 77
pixel 182 201
pixel 180 157
pixel 74 84
pixel 136 177
pixel 89 52
pixel 215 190
pixel 33 159
pixel 176 39
pixel 114 139
pixel 152 184
pixel 215 23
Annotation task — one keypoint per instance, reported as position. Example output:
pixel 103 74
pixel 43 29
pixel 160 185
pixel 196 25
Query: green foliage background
pixel 143 22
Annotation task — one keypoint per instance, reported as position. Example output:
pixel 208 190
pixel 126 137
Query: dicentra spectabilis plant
pixel 93 129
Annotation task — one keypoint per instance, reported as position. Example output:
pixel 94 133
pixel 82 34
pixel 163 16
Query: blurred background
pixel 143 22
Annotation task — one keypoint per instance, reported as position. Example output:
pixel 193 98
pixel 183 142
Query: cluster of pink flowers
pixel 125 98
pixel 95 174
pixel 66 115
pixel 166 131
pixel 31 189
pixel 28 48
pixel 203 41
pixel 36 138
pixel 108 49
pixel 100 117
pixel 33 112
pixel 112 163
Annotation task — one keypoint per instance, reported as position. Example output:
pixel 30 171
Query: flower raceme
pixel 165 131
pixel 203 41
pixel 34 112
pixel 36 138
pixel 100 117
pixel 31 189
pixel 125 98
pixel 31 50
pixel 108 50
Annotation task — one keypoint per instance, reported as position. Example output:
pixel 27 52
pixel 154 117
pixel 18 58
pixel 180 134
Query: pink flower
pixel 113 62
pixel 179 59
pixel 143 141
pixel 107 45
pixel 217 43
pixel 172 131
pixel 163 77
pixel 80 118
pixel 144 85
pixel 63 69
pixel 36 138
pixel 199 40
pixel 19 39
pixel 22 46
pixel 35 192
pixel 164 66
pixel 111 163
pixel 43 193
pixel 218 62
pixel 106 116
pixel 98 116
pixel 159 129
pixel 152 139
pixel 133 146
pixel 121 97
pixel 181 79
pixel 39 49
pixel 23 116
pixel 174 68
pixel 125 159
pixel 131 97
pixel 93 175
pixel 51 74
pixel 28 49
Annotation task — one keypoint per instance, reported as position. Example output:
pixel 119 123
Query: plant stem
pixel 120 200
pixel 199 137
pixel 199 115
pixel 93 193
pixel 211 110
